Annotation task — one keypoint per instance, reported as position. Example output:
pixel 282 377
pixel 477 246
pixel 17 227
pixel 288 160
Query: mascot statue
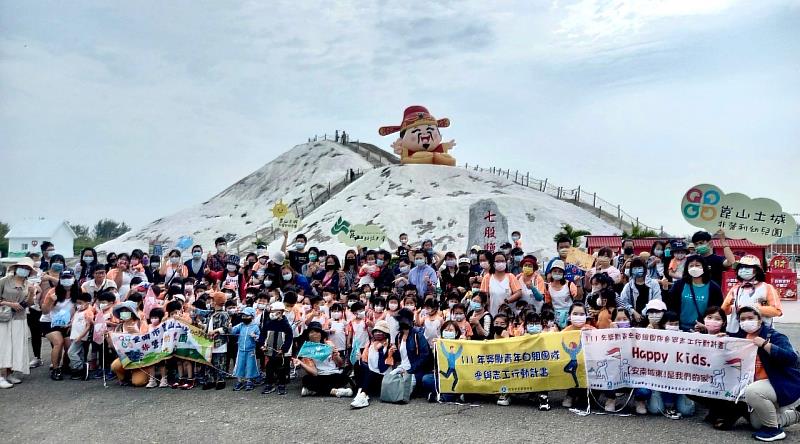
pixel 420 140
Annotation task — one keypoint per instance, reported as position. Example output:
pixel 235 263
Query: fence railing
pixel 578 196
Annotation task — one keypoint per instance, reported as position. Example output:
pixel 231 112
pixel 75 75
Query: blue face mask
pixel 419 262
pixel 474 305
pixel 637 272
pixel 300 245
pixel 379 262
pixel 533 329
pixel 518 259
pixel 197 254
pixel 57 267
pixel 667 252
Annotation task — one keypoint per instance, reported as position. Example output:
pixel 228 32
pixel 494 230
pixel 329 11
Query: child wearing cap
pixel 246 365
pixel 275 339
pixel 217 326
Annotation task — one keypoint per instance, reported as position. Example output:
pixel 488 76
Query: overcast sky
pixel 134 110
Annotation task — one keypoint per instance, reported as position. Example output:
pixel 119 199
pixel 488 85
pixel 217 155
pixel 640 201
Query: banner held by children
pixel 669 361
pixel 171 338
pixel 532 363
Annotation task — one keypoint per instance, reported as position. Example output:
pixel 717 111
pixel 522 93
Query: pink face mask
pixel 713 325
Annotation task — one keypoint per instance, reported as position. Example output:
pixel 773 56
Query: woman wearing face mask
pixel 401 274
pixel 85 268
pixel 349 272
pixel 16 294
pixel 173 268
pixel 639 291
pixel 196 265
pixel 375 362
pixel 410 349
pixel 49 279
pixel 498 284
pixel 290 278
pixel 313 265
pixel 58 307
pixel 693 294
pixel 655 264
pixel 111 261
pixel 329 276
pixel 560 293
pixel 532 283
pixel 603 265
pixel 774 394
pixel 479 319
pixel 128 314
pixel 750 289
pixel 449 274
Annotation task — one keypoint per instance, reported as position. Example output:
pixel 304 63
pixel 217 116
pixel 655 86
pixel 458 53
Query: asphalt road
pixel 44 411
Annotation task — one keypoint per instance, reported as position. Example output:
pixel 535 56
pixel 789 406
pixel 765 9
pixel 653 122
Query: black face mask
pixel 463 269
pixel 628 251
pixel 247 320
pixel 498 330
pixel 330 267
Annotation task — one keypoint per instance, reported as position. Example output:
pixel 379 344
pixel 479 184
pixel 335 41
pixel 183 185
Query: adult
pixel 499 284
pixel 195 266
pixel 750 289
pixel 98 283
pixel 626 253
pixel 691 296
pixel 298 255
pixel 572 272
pixel 48 280
pixel 775 391
pixel 532 283
pixel 16 293
pixel 58 307
pixel 215 263
pixel 449 274
pixel 422 275
pixel 324 375
pixel 85 267
pixel 716 264
pixel 128 314
pixel 411 351
pixel 349 273
pixel 172 269
pixel 329 276
pixel 289 277
pixel 603 265
pixel 48 250
pixel 638 291
pixel 386 278
pixel 314 263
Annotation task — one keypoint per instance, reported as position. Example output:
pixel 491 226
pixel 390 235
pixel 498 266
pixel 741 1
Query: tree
pixel 572 233
pixel 80 230
pixel 4 229
pixel 637 232
pixel 106 229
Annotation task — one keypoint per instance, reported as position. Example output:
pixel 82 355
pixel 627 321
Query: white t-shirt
pixel 79 323
pixel 337 335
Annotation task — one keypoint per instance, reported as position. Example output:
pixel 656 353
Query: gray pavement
pixel 41 410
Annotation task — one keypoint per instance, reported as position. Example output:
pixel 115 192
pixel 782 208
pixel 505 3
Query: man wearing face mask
pixel 572 272
pixel 403 248
pixel 627 251
pixel 716 264
pixel 215 263
pixel 298 255
pixel 774 394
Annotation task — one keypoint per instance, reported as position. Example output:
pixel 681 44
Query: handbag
pixel 6 313
pixel 396 387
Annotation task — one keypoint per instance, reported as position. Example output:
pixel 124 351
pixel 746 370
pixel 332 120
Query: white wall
pixel 62 239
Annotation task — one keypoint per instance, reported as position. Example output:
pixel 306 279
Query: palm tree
pixel 572 233
pixel 638 233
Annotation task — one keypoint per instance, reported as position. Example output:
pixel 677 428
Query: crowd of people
pixel 382 312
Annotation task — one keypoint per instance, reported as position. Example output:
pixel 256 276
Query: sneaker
pixel 59 375
pixel 220 385
pixel 75 374
pixel 360 401
pixel 4 384
pixel 208 385
pixel 641 408
pixel 53 374
pixel 672 414
pixel 306 392
pixel 110 375
pixel 567 402
pixel 13 380
pixel 504 400
pixel 269 388
pixel 769 434
pixel 178 383
pixel 544 403
pixel 152 383
pixel 249 386
pixel 238 386
pixel 343 392
pixel 35 362
pixel 188 385
pixel 611 405
pixel 164 383
pixel 281 389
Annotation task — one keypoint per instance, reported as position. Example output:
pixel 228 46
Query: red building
pixel 739 247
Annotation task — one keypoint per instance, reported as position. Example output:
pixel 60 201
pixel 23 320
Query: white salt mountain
pixel 432 202
pixel 425 201
pixel 244 207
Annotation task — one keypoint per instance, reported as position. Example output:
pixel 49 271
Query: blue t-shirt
pixel 689 309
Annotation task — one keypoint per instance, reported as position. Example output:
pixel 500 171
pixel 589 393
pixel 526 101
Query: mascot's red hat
pixel 414 116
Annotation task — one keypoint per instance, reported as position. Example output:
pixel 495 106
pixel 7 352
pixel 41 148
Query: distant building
pixel 27 236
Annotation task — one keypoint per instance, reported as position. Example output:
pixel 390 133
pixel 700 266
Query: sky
pixel 135 110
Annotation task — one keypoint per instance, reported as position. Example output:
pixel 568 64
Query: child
pixel 246 366
pixel 275 340
pixel 378 311
pixel 336 329
pixel 431 320
pixel 392 307
pixel 79 335
pixel 453 298
pixel 217 327
pixel 533 326
pixel 358 328
pixel 459 317
pixel 236 318
pixel 622 318
pixel 548 316
pixel 369 271
pixel 154 317
pixel 577 321
pixel 678 262
pixel 500 331
pixel 560 293
pixel 329 297
pixel 103 322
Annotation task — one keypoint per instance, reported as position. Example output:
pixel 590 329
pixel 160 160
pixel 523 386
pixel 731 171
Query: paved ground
pixel 44 411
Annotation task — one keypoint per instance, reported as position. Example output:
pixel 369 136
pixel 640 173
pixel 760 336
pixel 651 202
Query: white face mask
pixel 695 271
pixel 557 276
pixel 458 317
pixel 67 282
pixel 393 306
pixel 485 265
pixel 750 325
pixel 672 327
pixel 448 334
pixel 336 315
pixel 174 260
pixel 287 276
pixel 22 272
pixel 103 305
pixel 655 318
pixel 500 266
pixel 578 320
pixel 361 314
